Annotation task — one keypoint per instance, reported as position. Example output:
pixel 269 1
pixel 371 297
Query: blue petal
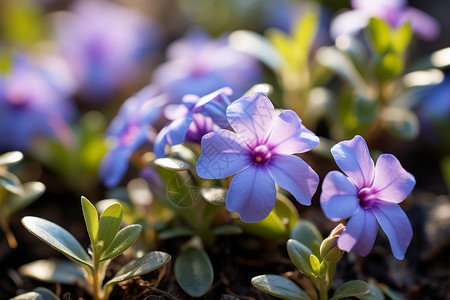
pixel 339 197
pixel 252 194
pixel 114 166
pixel 294 175
pixel 160 143
pixel 177 130
pixel 396 225
pixel 223 155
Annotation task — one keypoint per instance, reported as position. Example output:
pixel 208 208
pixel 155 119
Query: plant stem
pixel 12 242
pixel 331 268
pixel 323 289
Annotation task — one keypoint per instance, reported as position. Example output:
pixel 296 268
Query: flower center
pixel 261 155
pixel 364 198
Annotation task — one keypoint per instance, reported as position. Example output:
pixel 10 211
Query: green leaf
pixel 315 263
pixel 226 230
pixel 54 271
pixel 90 218
pixel 351 289
pixel 175 232
pixel 172 164
pixel 194 272
pixel 374 294
pixel 31 191
pixel 400 122
pixel 11 158
pixel 307 233
pixel 10 182
pixel 379 35
pixel 143 265
pixel 214 195
pixel 389 66
pixel 365 110
pixel 109 225
pixel 58 238
pixel 401 38
pixel 123 240
pixel 182 191
pixel 300 256
pixel 280 287
pixel 39 293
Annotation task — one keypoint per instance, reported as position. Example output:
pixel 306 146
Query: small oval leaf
pixel 31 191
pixel 123 240
pixel 194 272
pixel 280 287
pixel 90 218
pixel 172 164
pixel 299 255
pixel 58 238
pixel 39 293
pixel 11 158
pixel 227 230
pixel 307 233
pixel 54 271
pixel 214 195
pixel 351 289
pixel 109 224
pixel 10 182
pixel 175 232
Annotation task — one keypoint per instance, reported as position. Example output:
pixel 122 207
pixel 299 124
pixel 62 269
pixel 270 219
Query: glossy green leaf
pixel 57 237
pixel 11 158
pixel 286 211
pixel 54 271
pixel 374 294
pixel 389 66
pixel 315 263
pixel 300 256
pixel 304 34
pixel 175 232
pixel 400 122
pixel 39 293
pixel 226 230
pixel 182 191
pixel 307 233
pixel 109 224
pixel 143 265
pixel 194 272
pixel 365 109
pixel 351 289
pixel 172 164
pixel 215 195
pixel 10 182
pixel 123 240
pixel 379 34
pixel 280 287
pixel 31 192
pixel 90 218
pixel 401 38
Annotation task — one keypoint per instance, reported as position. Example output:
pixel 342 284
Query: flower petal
pixel 339 197
pixel 176 133
pixel 252 194
pixel 160 142
pixel 360 233
pixel 354 159
pixel 223 155
pixel 289 136
pixel 349 23
pixel 422 23
pixel 396 225
pixel 391 183
pixel 252 118
pixel 294 175
pixel 114 166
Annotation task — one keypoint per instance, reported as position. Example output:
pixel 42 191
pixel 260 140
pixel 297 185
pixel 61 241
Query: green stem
pixel 331 268
pixel 323 289
pixel 12 242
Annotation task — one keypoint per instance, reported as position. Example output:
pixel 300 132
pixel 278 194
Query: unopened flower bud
pixel 329 249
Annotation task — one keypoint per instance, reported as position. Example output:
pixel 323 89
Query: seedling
pixel 107 242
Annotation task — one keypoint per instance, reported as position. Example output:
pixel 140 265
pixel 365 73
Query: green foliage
pixel 307 233
pixel 280 287
pixel 351 289
pixel 39 293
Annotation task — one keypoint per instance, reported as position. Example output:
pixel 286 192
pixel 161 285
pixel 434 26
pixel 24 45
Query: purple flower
pixel 129 130
pixel 369 195
pixel 394 12
pixel 259 153
pixel 34 102
pixel 192 119
pixel 198 65
pixel 106 44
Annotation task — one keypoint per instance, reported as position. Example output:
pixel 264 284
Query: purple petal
pixel 349 23
pixel 114 166
pixel 177 130
pixel 423 24
pixel 289 136
pixel 223 155
pixel 252 194
pixel 391 183
pixel 252 117
pixel 294 175
pixel 396 225
pixel 175 111
pixel 339 197
pixel 359 234
pixel 385 4
pixel 354 159
pixel 160 143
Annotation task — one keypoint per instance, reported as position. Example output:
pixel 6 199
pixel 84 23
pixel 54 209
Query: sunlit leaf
pixel 11 158
pixel 90 218
pixel 10 182
pixel 379 34
pixel 31 192
pixel 374 294
pixel 54 271
pixel 57 237
pixel 388 66
pixel 109 224
pixel 307 233
pixel 280 287
pixel 123 240
pixel 300 256
pixel 400 122
pixel 39 293
pixel 315 263
pixel 215 195
pixel 172 164
pixel 194 272
pixel 351 289
pixel 401 38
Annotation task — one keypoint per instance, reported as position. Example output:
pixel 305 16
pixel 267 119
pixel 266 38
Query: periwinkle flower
pixel 32 104
pixel 259 153
pixel 394 12
pixel 369 195
pixel 200 65
pixel 192 119
pixel 106 44
pixel 129 130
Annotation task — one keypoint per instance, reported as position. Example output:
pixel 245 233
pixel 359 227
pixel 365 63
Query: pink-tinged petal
pixel 396 225
pixel 423 24
pixel 223 155
pixel 289 136
pixel 392 183
pixel 339 197
pixel 384 4
pixel 354 159
pixel 294 175
pixel 349 23
pixel 175 111
pixel 360 233
pixel 252 194
pixel 252 118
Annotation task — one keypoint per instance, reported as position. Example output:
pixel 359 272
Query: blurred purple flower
pixel 368 195
pixel 34 102
pixel 198 65
pixel 106 44
pixel 259 153
pixel 192 119
pixel 129 130
pixel 394 12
